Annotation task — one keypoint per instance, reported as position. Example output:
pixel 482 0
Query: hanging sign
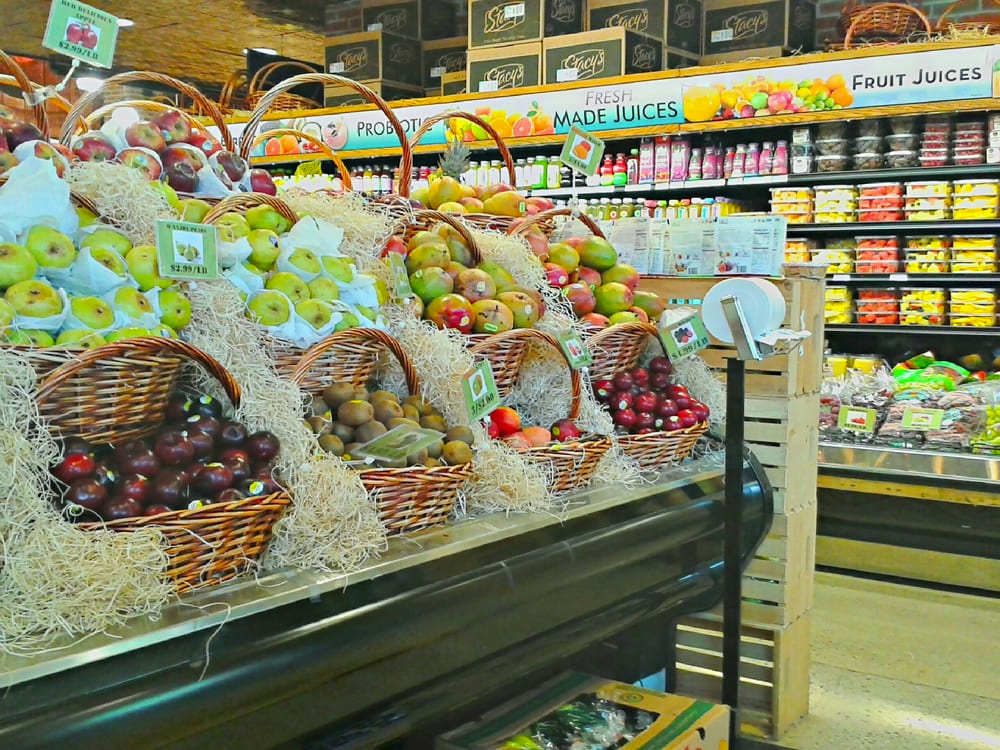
pixel 82 32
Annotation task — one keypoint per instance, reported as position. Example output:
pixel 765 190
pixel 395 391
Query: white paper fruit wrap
pixel 122 320
pixel 246 281
pixel 283 264
pixel 232 253
pixel 360 292
pixel 210 186
pixel 88 277
pixel 322 237
pixel 50 324
pixel 294 330
pixel 34 195
pixel 73 323
pixel 114 130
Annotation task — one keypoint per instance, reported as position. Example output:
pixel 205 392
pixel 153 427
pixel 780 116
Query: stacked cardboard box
pixel 602 53
pixel 377 57
pixel 734 30
pixel 441 57
pixel 676 24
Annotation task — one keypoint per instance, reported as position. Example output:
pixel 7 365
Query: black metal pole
pixel 732 553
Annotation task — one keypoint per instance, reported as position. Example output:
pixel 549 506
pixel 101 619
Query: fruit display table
pixel 445 622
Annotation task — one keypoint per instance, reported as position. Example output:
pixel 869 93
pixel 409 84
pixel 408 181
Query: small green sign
pixel 684 338
pixel 857 419
pixel 83 32
pixel 398 443
pixel 480 391
pixel 576 351
pixel 915 418
pixel 186 251
pixel 400 278
pixel 582 151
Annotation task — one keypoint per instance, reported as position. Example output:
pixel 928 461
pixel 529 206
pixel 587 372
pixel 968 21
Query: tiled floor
pixel 901 668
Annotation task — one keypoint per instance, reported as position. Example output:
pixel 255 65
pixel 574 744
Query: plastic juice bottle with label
pixel 627 210
pixel 647 161
pixel 661 210
pixel 552 173
pixel 694 165
pixel 661 159
pixel 472 175
pixel 711 168
pixel 727 162
pixel 604 209
pixel 766 157
pixel 607 172
pixel 751 164
pixel 366 179
pixel 780 165
pixel 616 209
pixel 386 179
pixel 680 157
pixel 632 167
pixel 519 173
pixel 620 172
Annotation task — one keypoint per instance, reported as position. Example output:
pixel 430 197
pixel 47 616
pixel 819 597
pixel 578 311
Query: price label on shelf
pixel 841 277
pixel 337 67
pixel 486 87
pixel 513 10
pixel 480 391
pixel 915 418
pixel 898 277
pixel 576 351
pixel 81 32
pixel 187 251
pixel 374 27
pixel 438 70
pixel 400 277
pixel 567 74
pixel 684 338
pixel 857 419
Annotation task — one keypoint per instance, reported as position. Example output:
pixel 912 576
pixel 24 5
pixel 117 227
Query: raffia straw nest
pixel 55 578
pixel 331 525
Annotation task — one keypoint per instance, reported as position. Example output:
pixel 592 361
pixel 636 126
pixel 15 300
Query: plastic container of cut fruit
pixel 972 308
pixel 906 124
pixel 877 318
pixel 980 211
pixel 960 264
pixel 836 217
pixel 880 214
pixel 791 207
pixel 791 194
pixel 868 254
pixel 968 157
pixel 841 306
pixel 916 318
pixel 928 189
pixel 878 293
pixel 935 141
pixel 971 295
pixel 877 243
pixel 832 163
pixel 837 294
pixel 935 158
pixel 902 141
pixel 839 318
pixel 831 130
pixel 833 147
pixel 973 242
pixel 883 202
pixel 804 244
pixel 919 299
pixel 881 190
pixel 842 243
pixel 837 261
pixel 972 321
pixel 901 159
pixel 797 256
pixel 802 217
pixel 876 266
pixel 928 214
pixel 869 160
pixel 976 187
pixel 867 307
pixel 938 124
pixel 835 192
pixel 869 144
pixel 927 261
pixel 928 242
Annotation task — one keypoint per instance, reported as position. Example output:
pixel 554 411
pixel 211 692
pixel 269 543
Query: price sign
pixel 684 338
pixel 857 419
pixel 398 443
pixel 185 250
pixel 400 278
pixel 486 87
pixel 582 151
pixel 513 10
pixel 567 74
pixel 337 67
pixel 438 70
pixel 82 32
pixel 576 351
pixel 915 418
pixel 480 391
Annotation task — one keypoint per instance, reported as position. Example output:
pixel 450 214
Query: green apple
pixel 193 210
pixel 127 333
pixel 350 320
pixel 86 216
pixel 80 339
pixel 143 266
pixel 269 308
pixel 169 194
pixel 93 312
pixel 339 268
pixel 175 309
pixel 16 264
pixel 288 284
pixel 107 238
pixel 253 269
pixel 323 288
pixel 132 302
pixel 50 247
pixel 315 312
pixel 264 250
pixel 232 226
pixel 164 331
pixel 265 217
pixel 30 337
pixel 368 313
pixel 306 261
pixel 34 299
pixel 6 315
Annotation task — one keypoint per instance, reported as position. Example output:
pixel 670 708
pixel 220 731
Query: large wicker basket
pixel 571 465
pixel 9 66
pixel 283 101
pixel 986 24
pixel 545 222
pixel 884 23
pixel 406 499
pixel 118 392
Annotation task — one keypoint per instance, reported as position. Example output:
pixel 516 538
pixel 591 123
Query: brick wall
pixel 343 17
pixel 828 13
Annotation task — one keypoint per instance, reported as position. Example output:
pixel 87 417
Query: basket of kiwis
pixel 411 490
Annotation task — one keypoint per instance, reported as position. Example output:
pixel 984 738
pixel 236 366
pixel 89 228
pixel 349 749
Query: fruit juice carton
pixel 661 159
pixel 647 161
pixel 680 157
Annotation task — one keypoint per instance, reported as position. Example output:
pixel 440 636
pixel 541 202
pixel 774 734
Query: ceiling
pixel 199 41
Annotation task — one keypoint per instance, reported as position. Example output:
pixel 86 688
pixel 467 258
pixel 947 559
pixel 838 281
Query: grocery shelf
pixel 944 226
pixel 882 460
pixel 939 279
pixel 923 330
pixel 884 175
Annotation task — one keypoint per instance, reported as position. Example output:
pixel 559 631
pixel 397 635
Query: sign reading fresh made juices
pixel 910 78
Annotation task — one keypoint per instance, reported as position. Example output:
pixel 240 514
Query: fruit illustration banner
pixel 911 78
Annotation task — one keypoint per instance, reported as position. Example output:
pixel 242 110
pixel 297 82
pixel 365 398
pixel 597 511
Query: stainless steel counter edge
pixel 881 460
pixel 217 605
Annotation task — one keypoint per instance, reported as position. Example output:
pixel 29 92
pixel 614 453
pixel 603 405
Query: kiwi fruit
pixel 433 422
pixel 456 452
pixel 332 444
pixel 434 450
pixel 411 412
pixel 360 393
pixel 383 396
pixel 342 431
pixel 318 406
pixel 430 463
pixel 460 433
pixel 419 404
pixel 337 393
pixel 386 410
pixel 397 421
pixel 355 412
pixel 351 449
pixel 319 425
pixel 416 459
pixel 369 431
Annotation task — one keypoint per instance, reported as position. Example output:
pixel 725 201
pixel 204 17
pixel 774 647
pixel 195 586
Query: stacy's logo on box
pixel 510 76
pixel 682 15
pixel 644 57
pixel 401 54
pixel 353 59
pixel 636 19
pixel 746 25
pixel 588 63
pixel 392 20
pixel 452 62
pixel 563 11
pixel 503 17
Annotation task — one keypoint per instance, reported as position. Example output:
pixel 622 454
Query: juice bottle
pixel 619 172
pixel 552 173
pixel 727 162
pixel 766 156
pixel 538 174
pixel 780 165
pixel 627 210
pixel 607 172
pixel 647 161
pixel 472 175
pixel 661 159
pixel 604 209
pixel 694 165
pixel 752 163
pixel 710 167
pixel 616 209
pixel 366 179
pixel 632 167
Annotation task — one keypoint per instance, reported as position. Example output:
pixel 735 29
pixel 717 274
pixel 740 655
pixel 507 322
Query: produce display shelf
pixel 939 279
pixel 901 462
pixel 946 226
pixel 924 330
pixel 886 175
pixel 386 652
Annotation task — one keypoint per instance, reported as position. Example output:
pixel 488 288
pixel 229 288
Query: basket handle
pixel 525 226
pixel 874 10
pixel 27 87
pixel 356 336
pixel 236 79
pixel 147 344
pixel 454 223
pixel 243 201
pixel 329 78
pixel 247 145
pixel 941 26
pixel 263 73
pixel 533 334
pixel 406 172
pixel 148 104
pixel 76 115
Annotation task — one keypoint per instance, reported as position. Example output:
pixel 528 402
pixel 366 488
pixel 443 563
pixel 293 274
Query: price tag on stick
pixel 480 391
pixel 582 151
pixel 400 278
pixel 857 419
pixel 915 418
pixel 576 351
pixel 684 338
pixel 187 251
pixel 81 32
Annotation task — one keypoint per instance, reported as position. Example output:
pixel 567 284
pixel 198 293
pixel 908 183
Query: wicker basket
pixel 984 25
pixel 406 499
pixel 119 392
pixel 656 450
pixel 572 465
pixel 283 101
pixel 228 101
pixel 26 85
pixel 248 144
pixel 618 347
pixel 885 23
pixel 78 118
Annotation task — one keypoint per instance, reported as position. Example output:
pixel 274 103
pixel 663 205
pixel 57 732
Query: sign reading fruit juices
pixel 82 32
pixel 952 74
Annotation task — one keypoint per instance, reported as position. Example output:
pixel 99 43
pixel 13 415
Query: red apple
pixel 232 435
pixel 204 142
pixel 211 479
pixel 626 419
pixel 604 390
pixel 683 402
pixel 622 381
pixel 157 509
pixel 667 408
pixel 173 448
pixel 75 466
pixel 700 410
pixel 262 446
pixel 661 364
pixel 646 401
pixel 134 487
pixel 87 493
pixel 177 153
pixel 182 178
pixel 659 381
pixel 173 124
pixel 565 430
pixel 640 376
pixel 687 418
pixel 145 134
pixel 261 182
pixel 121 507
pixel 143 159
pixel 644 421
pixel 233 165
pixel 622 400
pixel 21 132
pixel 672 424
pixel 94 146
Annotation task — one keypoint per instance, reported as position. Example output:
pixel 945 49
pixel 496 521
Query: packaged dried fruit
pixel 869 144
pixel 836 217
pixel 869 128
pixel 902 159
pixel 976 187
pixel 921 318
pixel 928 242
pixel 903 124
pixel 880 214
pixel 785 194
pixel 800 150
pixel 881 190
pixel 832 163
pixel 902 141
pixel 876 266
pixel 833 147
pixel 869 160
pixel 974 242
pixel 928 189
pixel 837 294
pixel 973 321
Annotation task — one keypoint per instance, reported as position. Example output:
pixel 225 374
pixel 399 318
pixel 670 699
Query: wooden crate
pixel 774 671
pixel 778 582
pixel 784 432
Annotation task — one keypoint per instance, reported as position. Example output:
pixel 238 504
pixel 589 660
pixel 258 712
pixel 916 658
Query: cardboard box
pixel 441 57
pixel 509 67
pixel 573 702
pixel 677 23
pixel 677 59
pixel 427 19
pixel 375 56
pixel 736 29
pixel 508 21
pixel 565 17
pixel 342 96
pixel 600 54
pixel 454 83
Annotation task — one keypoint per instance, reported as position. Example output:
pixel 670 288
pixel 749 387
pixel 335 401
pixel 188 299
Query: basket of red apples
pixel 568 454
pixel 658 422
pixel 200 478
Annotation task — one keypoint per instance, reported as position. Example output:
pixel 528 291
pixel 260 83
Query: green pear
pixel 341 269
pixel 264 250
pixel 193 210
pixel 132 302
pixel 315 312
pixel 93 312
pixel 34 299
pixel 175 309
pixel 127 333
pixel 107 238
pixel 143 266
pixel 288 284
pixel 16 264
pixel 50 247
pixel 269 308
pixel 232 226
pixel 80 339
pixel 30 337
pixel 323 288
pixel 265 217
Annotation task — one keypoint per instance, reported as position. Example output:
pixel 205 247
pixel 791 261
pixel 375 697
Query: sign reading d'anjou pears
pixel 187 251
